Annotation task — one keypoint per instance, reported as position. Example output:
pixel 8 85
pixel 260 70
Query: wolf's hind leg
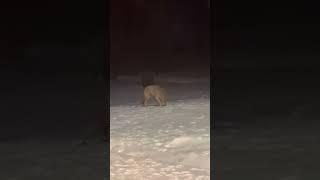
pixel 158 99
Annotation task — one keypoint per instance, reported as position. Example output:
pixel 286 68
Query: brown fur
pixel 157 92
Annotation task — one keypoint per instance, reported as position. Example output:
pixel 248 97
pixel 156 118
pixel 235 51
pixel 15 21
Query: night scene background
pixel 161 36
pixel 265 107
pixel 53 89
pixel 56 59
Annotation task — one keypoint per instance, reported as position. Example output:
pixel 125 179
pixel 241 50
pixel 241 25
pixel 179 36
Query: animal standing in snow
pixel 157 92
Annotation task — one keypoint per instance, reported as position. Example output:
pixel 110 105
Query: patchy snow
pixel 160 143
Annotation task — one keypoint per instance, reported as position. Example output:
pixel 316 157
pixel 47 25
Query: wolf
pixel 157 92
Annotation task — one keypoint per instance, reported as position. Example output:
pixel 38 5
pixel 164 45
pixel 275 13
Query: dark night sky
pixel 52 66
pixel 51 36
pixel 147 33
pixel 159 35
pixel 153 34
pixel 266 32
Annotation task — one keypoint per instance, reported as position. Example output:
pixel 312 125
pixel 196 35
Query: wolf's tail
pixel 147 78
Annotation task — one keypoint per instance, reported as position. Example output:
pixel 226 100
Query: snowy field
pixel 160 143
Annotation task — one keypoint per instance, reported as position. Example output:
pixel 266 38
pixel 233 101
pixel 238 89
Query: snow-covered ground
pixel 160 143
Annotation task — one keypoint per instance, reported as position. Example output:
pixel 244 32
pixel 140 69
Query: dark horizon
pixel 164 32
pixel 159 36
